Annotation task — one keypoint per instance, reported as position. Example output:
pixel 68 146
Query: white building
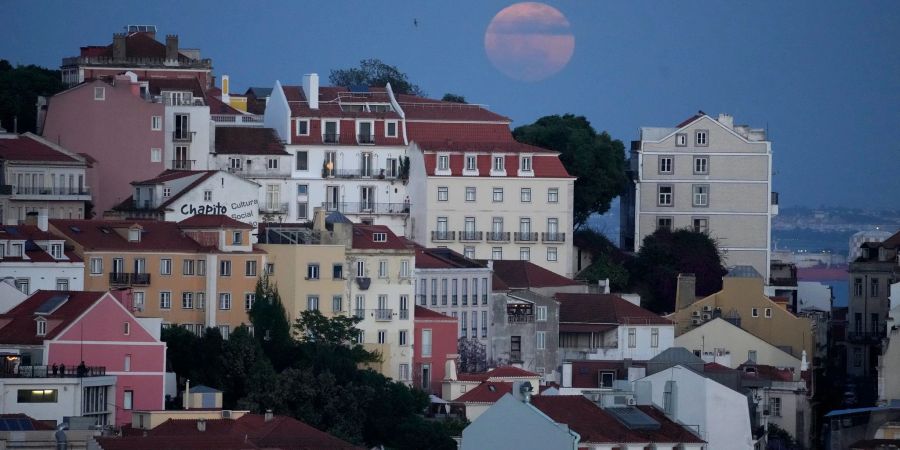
pixel 44 396
pixel 37 175
pixel 708 175
pixel 608 327
pixel 33 259
pixel 720 414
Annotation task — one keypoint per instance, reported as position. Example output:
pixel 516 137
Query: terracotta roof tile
pixel 213 221
pixel 604 309
pixel 29 147
pixel 443 258
pixel 524 274
pixel 487 392
pixel 248 141
pixel 192 84
pixel 363 238
pixel 499 373
pixel 98 235
pixel 18 324
pixel 586 374
pixel 422 312
pixel 421 108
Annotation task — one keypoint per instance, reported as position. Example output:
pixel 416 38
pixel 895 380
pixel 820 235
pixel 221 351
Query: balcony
pixel 183 136
pixel 520 318
pixel 367 208
pixel 359 314
pixel 443 235
pixel 421 299
pixel 331 138
pixel 404 314
pixel 384 315
pixel 31 192
pixel 498 236
pixel 273 208
pixel 129 279
pixel 470 236
pixel 365 139
pixel 231 120
pixel 526 236
pixel 55 372
pixel 553 237
pixel 515 356
pixel 865 337
pixel 140 279
pixel 183 164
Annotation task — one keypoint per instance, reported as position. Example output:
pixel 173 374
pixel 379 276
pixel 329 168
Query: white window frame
pixel 443 193
pixel 540 340
pixel 681 140
pixel 666 164
pixel 155 154
pixel 471 193
pixel 165 266
pixel 553 195
pixel 470 169
pixel 700 195
pixel 387 128
pixel 541 314
pixel 665 198
pixel 701 138
pixel 552 254
pixel 99 93
pixel 497 195
pixel 297 127
pixel 156 123
pixel 525 195
pixel 224 301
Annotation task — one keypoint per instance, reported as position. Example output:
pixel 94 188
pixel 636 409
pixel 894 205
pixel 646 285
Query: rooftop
pixel 517 274
pixel 59 308
pixel 112 235
pixel 604 309
pixel 443 258
pixel 32 148
pixel 373 237
pixel 248 141
pixel 422 312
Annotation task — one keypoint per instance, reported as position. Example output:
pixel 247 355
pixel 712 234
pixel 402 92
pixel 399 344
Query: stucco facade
pixel 721 342
pixel 525 332
pixel 435 335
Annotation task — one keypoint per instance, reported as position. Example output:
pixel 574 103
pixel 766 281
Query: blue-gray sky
pixel 822 76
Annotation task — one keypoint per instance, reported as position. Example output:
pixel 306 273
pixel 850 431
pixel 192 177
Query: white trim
pixel 706 116
pixel 671 152
pixel 704 181
pixel 702 212
pixel 135 343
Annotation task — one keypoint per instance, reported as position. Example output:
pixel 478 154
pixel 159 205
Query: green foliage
pixel 270 324
pixel 663 255
pixel 595 159
pixel 374 72
pixel 19 89
pixel 448 97
pixel 607 260
pixel 779 439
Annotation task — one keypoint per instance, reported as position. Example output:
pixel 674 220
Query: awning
pixel 586 327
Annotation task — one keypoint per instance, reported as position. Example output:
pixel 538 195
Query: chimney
pixel 450 370
pixel 567 374
pixel 201 425
pixel 31 218
pixel 727 120
pixel 686 294
pixel 269 416
pixel 119 46
pixel 318 219
pixel 186 401
pixel 172 47
pixel 311 89
pixel 225 89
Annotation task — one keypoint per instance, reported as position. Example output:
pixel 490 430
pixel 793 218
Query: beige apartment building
pixel 200 272
pixel 708 175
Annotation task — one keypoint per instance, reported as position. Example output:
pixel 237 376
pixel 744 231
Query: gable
pixel 510 423
pixel 104 321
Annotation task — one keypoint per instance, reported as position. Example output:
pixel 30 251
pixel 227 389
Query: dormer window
pixel 167 192
pixel 330 132
pixel 498 164
pixel 41 326
pixel 364 133
pixel 302 127
pixel 134 235
pixel 390 128
pixel 526 164
pixel 472 163
pixel 56 251
pixel 15 250
pixel 236 238
pixel 443 165
pixel 379 237
pixel 99 93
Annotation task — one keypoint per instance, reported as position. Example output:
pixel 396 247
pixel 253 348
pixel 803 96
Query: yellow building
pixel 743 303
pixel 200 272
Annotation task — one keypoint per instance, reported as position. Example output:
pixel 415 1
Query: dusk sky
pixel 823 77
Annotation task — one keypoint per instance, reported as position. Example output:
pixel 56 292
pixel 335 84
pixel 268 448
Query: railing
pixel 553 237
pixel 183 164
pixel 367 207
pixel 119 278
pixel 183 136
pixel 330 138
pixel 443 235
pixel 132 61
pixel 526 236
pixel 404 314
pixel 178 101
pixel 359 313
pixel 515 355
pixel 278 208
pixel 468 235
pixel 865 336
pixel 56 371
pixel 126 278
pixel 421 299
pixel 444 299
pixel 384 315
pixel 32 190
pixel 256 171
pixel 483 299
pixel 497 236
pixel 365 139
pixel 520 318
pixel 237 120
pixel 774 198
pixel 140 279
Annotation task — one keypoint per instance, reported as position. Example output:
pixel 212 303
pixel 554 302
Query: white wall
pixel 69 396
pixel 278 113
pixel 231 195
pixel 43 275
pixel 643 350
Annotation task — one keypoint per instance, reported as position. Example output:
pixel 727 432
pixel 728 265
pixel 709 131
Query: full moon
pixel 529 41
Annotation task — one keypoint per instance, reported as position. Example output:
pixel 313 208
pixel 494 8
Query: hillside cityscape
pixel 342 260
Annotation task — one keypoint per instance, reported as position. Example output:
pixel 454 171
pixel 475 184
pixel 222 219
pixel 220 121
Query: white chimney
pixel 42 220
pixel 226 88
pixel 727 120
pixel 201 425
pixel 186 401
pixel 269 415
pixel 311 89
pixel 450 370
pixel 567 374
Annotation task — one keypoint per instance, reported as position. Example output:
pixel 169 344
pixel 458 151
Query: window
pixel 664 195
pixel 632 337
pixel 302 127
pixel 379 237
pixel 525 164
pixel 498 194
pixel 469 252
pixel 541 343
pixel 681 140
pixel 768 313
pixel 404 268
pixel 272 163
pixel 553 195
pixel 360 268
pixel 382 268
pixel 701 165
pixel 443 162
pixel 62 284
pixel 857 357
pixel 201 267
pixel 701 138
pixel 99 93
pixel 754 312
pixel 225 268
pixel 207 196
pixel 471 163
pixel 165 266
pixel 249 298
pixel 156 123
pixel 701 195
pixel 390 128
pixel 541 314
pixel 250 268
pixel 497 253
pixel 525 253
pixel 463 323
pixel 442 194
pixel 775 406
pixel 312 271
pixel 312 303
pixel 499 165
pixel 37 395
pixel 23 285
pixel 382 336
pixel 426 339
pixel 167 192
pixel 484 324
pixel 330 132
pixel 187 300
pixel 165 300
pixel 444 291
pixel 200 300
pixel 402 338
pixel 155 155
pixel 484 291
pixel 525 195
pixel 654 337
pixel 552 254
pixel 302 160
pixel 873 287
pixel 664 223
pixel 607 379
pixel 404 372
pixel 224 301
pixel 665 164
pixel 41 327
pixel 128 401
pixel 701 224
pixel 470 194
pixel 236 238
pixel 302 210
pixel 337 303
pixel 270 269
pixel 235 163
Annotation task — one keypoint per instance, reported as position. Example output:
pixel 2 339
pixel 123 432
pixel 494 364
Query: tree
pixel 271 327
pixel 663 255
pixel 453 98
pixel 330 343
pixel 595 159
pixel 607 262
pixel 19 89
pixel 373 72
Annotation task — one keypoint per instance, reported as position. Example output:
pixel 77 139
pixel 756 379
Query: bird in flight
pixel 416 23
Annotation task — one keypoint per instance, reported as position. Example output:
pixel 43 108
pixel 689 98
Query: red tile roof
pixel 604 309
pixel 716 367
pixel 443 258
pixel 462 132
pixel 487 392
pixel 596 425
pixel 766 372
pixel 421 108
pixel 169 175
pixel 29 147
pixel 525 274
pixel 213 221
pixel 543 165
pixel 424 313
pixel 586 374
pixel 363 238
pixel 248 141
pixel 688 121
pixel 499 373
pixel 217 106
pixel 101 235
pixel 138 442
pixel 330 100
pixel 137 45
pixel 17 326
pixel 192 84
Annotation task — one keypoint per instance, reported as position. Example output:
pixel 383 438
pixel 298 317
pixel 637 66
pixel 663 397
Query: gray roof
pixel 743 272
pixel 260 92
pixel 675 356
pixel 201 389
pixel 336 217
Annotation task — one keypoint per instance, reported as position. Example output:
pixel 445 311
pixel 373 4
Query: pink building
pixel 435 334
pixel 55 328
pixel 115 123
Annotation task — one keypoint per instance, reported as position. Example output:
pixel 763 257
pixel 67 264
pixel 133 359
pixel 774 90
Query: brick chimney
pixel 686 293
pixel 119 46
pixel 171 47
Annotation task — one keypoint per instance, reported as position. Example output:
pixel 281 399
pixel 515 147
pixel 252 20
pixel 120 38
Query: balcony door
pixel 140 265
pixel 182 126
pixel 367 198
pixel 332 197
pixel 365 166
pixel 182 158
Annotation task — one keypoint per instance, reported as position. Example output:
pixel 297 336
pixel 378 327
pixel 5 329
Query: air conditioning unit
pixel 707 308
pixel 706 317
pixel 226 413
pixel 632 401
pixel 695 314
pixel 695 321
